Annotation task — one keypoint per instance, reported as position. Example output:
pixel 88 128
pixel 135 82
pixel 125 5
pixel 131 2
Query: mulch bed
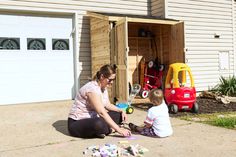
pixel 206 105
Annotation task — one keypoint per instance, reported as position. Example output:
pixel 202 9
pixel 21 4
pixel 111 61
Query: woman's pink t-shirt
pixel 81 108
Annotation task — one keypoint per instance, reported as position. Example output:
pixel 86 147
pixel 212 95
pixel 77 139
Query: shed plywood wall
pixel 140 48
pixel 166 43
pixel 100 43
pixel 158 8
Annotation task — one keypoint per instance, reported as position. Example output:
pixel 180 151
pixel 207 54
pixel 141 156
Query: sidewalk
pixel 40 130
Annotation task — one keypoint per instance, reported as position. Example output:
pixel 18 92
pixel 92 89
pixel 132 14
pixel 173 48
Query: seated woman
pixel 92 115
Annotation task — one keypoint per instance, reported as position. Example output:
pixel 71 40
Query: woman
pixel 92 114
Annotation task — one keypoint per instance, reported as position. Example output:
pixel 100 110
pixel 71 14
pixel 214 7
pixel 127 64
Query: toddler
pixel 157 122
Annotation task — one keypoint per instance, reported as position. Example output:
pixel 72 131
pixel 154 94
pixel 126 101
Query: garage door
pixel 36 59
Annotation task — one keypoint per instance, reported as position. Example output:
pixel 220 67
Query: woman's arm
pixel 112 107
pixel 96 103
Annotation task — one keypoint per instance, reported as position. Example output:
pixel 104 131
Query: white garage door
pixel 36 59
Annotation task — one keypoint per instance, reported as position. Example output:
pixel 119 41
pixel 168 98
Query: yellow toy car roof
pixel 179 66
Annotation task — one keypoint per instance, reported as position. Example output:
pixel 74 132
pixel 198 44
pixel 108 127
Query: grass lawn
pixel 226 120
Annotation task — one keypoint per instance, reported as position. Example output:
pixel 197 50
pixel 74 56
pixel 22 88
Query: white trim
pixel 13 9
pixel 234 47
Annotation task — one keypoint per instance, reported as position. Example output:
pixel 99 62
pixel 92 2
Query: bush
pixel 227 86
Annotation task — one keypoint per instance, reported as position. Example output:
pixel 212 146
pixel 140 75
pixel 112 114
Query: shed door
pixel 177 43
pixel 121 59
pixel 100 43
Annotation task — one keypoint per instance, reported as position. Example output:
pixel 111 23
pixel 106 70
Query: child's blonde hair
pixel 156 96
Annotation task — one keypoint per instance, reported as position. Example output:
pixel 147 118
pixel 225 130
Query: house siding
pixel 137 7
pixel 202 20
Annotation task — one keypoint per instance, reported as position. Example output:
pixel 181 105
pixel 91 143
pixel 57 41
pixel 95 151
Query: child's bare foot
pixel 133 127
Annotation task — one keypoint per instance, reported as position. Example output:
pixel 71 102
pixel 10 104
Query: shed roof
pixel 133 18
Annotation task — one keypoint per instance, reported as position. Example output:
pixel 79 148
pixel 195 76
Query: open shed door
pixel 121 40
pixel 100 42
pixel 177 43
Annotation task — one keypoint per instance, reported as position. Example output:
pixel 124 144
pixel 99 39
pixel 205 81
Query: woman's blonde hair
pixel 156 96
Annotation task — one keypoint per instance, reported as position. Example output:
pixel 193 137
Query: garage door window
pixel 36 44
pixel 60 44
pixel 9 43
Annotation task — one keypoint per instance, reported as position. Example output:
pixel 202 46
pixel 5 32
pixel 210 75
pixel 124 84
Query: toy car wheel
pixel 161 67
pixel 173 108
pixel 150 64
pixel 195 108
pixel 144 94
pixel 129 110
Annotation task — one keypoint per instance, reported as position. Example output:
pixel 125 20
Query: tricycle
pixel 152 77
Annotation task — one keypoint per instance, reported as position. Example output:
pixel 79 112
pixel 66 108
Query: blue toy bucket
pixel 122 105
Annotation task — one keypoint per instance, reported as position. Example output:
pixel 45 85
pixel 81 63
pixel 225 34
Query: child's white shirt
pixel 158 116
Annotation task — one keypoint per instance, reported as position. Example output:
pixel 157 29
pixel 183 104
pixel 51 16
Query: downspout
pixel 234 50
pixel 76 55
pixel 165 3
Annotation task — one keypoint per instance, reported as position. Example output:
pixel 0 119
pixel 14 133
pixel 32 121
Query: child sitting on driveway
pixel 157 122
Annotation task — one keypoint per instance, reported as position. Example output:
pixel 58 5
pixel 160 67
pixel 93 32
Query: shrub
pixel 227 86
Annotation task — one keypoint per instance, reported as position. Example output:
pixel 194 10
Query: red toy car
pixel 180 93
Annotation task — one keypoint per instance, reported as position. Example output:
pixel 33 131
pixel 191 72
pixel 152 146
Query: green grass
pixel 225 120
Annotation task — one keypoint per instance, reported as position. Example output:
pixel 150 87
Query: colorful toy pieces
pixel 113 150
pixel 180 93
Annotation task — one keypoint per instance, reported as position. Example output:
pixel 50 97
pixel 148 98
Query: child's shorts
pixel 148 132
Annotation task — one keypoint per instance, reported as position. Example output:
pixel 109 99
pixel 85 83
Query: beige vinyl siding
pixel 137 7
pixel 157 8
pixel 204 18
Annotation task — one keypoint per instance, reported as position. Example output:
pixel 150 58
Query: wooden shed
pixel 126 40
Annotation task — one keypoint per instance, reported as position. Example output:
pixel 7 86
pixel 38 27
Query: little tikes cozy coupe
pixel 180 93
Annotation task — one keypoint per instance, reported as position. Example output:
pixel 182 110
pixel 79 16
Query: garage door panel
pixel 36 75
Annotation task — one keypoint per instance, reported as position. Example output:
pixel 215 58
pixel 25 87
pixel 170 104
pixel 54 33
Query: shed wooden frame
pixel 115 39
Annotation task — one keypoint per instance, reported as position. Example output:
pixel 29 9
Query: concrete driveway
pixel 39 130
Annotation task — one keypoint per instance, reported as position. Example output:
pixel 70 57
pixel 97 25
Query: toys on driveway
pixel 126 106
pixel 180 92
pixel 113 150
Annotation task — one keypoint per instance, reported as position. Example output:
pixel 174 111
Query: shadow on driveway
pixel 61 126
